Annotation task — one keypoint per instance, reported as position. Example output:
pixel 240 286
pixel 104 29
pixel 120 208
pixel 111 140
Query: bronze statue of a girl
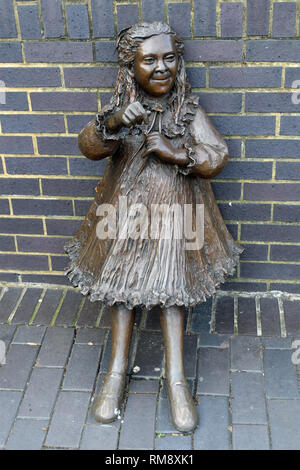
pixel 163 149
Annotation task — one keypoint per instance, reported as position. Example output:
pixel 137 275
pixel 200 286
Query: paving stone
pixel 82 367
pixel 26 306
pixel 149 355
pixel 41 393
pixel 69 309
pixel 280 374
pixel 19 360
pixel 56 347
pixel 225 315
pixel 68 420
pixel 214 340
pixel 292 317
pixel 213 432
pixel 201 317
pixel 6 334
pixel 139 420
pixel 143 386
pixel 190 356
pixel 173 442
pixel 9 402
pixel 246 353
pixel 250 437
pixel 9 301
pixel 89 313
pixel 277 343
pixel 90 335
pixel 163 419
pixel 247 316
pixel 99 437
pixel 27 434
pixel 284 424
pixel 48 307
pixel 248 398
pixel 29 334
pixel 270 319
pixel 213 375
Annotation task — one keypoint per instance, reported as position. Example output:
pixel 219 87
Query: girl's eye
pixel 148 60
pixel 170 58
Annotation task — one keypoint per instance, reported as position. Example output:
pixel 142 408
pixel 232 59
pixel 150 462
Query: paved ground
pixel 243 374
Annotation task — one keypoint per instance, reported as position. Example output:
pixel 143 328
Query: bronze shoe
pixel 182 407
pixel 107 404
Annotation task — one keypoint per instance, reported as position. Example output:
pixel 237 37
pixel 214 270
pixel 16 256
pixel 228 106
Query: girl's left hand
pixel 161 146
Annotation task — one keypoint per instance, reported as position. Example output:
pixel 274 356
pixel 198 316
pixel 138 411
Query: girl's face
pixel 156 64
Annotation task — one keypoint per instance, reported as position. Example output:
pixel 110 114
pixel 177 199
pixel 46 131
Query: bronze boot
pixel 183 411
pixel 107 404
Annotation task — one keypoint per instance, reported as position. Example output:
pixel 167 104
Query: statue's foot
pixel 182 407
pixel 107 404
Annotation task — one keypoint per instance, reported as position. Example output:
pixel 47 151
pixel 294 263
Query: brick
pixel 82 368
pixel 176 13
pixel 15 186
pixel 250 437
pixel 245 286
pixel 78 21
pixel 242 211
pixel 254 252
pixel 68 420
pixel 24 262
pixel 45 279
pixel 291 74
pixel 27 306
pixel 14 102
pixel 213 340
pixel 29 334
pixel 139 421
pixel 82 166
pixel 213 50
pixel 276 343
pixel 6 334
pixel 153 11
pixel 33 123
pixel 232 229
pixel 205 18
pixel 247 316
pixel 29 21
pixel 201 317
pixel 248 398
pixel 58 51
pixel 144 386
pixel 89 313
pixel 280 374
pixel 221 102
pixel 105 98
pixel 227 191
pixel 190 356
pixel 277 148
pixel 69 187
pixel 247 170
pixel 8 277
pixel 41 244
pixel 105 51
pixel 270 271
pixel 272 192
pixel 284 424
pixel 224 315
pixel 64 101
pixel 127 15
pixel 82 207
pixel 48 307
pixel 7 243
pixel 97 437
pixel 285 253
pixel 213 365
pixel 11 225
pixel 149 355
pixel 90 77
pixel 245 77
pixel 9 403
pixel 56 347
pixel 290 125
pixel 53 18
pixel 163 420
pixel 30 76
pixel 283 50
pixel 69 309
pixel 270 319
pixel 19 361
pixel 7 20
pixel 36 165
pixel 258 17
pixel 42 207
pixel 173 442
pixel 246 353
pixel 286 213
pixel 292 317
pixel 10 52
pixel 78 122
pixel 8 302
pixel 269 102
pixel 58 146
pixel 27 435
pixel 284 19
pixel 59 262
pixel 287 171
pixel 103 19
pixel 196 76
pixel 90 335
pixel 232 20
pixel 62 227
pixel 244 125
pixel 213 434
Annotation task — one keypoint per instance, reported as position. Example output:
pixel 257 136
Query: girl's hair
pixel 128 41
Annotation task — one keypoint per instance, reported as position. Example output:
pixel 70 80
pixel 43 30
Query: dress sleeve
pixel 94 143
pixel 206 149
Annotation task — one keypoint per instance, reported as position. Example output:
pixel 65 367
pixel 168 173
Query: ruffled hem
pixel 214 276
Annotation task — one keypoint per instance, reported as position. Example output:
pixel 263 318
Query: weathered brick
pixel 242 211
pixel 213 434
pixel 213 50
pixel 221 102
pixel 4 206
pixel 8 277
pixel 245 77
pixel 250 437
pixel 232 229
pixel 227 191
pixel 19 361
pixel 69 308
pixel 246 353
pixel 28 186
pixel 58 51
pixel 287 171
pixel 196 76
pixel 258 17
pixel 82 367
pixel 270 271
pixel 284 424
pixel 77 122
pixel 105 51
pixel 58 145
pixel 21 225
pixel 53 18
pixel 291 74
pixel 270 232
pixel 284 19
pixel 30 76
pixel 231 19
pixel 64 101
pixel 149 354
pixel 28 303
pixel 247 316
pixel 205 18
pixel 7 243
pixel 45 279
pixel 272 192
pixel 23 262
pixel 224 315
pixel 286 213
pixel 62 227
pixel 269 102
pixel 234 147
pixel 244 125
pixel 9 403
pixel 31 334
pixel 82 207
pixel 78 21
pixel 280 374
pixel 177 12
pixel 127 15
pixel 59 262
pixel 276 148
pixel 33 123
pixel 41 244
pixel 8 302
pixel 254 252
pixel 82 166
pixel 290 125
pixel 14 102
pixel 7 20
pixel 248 403
pixel 291 316
pixel 290 287
pixel 27 434
pixel 10 52
pixel 173 442
pixel 69 187
pixel 153 11
pixel 36 166
pixel 247 170
pixel 29 21
pixel 90 77
pixel 56 347
pixel 42 207
pixel 283 50
pixel 100 437
pixel 103 19
pixel 47 307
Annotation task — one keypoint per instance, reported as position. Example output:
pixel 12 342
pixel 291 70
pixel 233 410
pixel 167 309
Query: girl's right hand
pixel 134 113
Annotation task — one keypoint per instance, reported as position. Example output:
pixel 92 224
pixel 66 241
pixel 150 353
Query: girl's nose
pixel 160 66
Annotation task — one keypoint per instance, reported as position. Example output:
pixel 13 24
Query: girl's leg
pixel 107 404
pixel 182 407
